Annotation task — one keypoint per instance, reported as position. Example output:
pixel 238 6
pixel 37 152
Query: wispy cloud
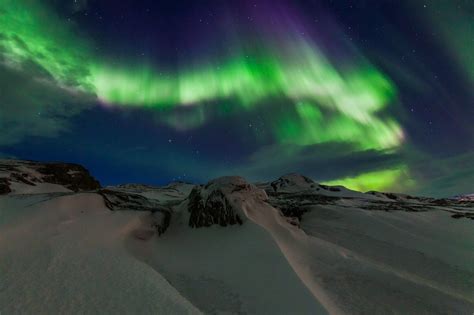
pixel 32 104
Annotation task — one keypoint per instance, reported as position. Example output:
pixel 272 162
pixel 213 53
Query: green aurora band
pixel 30 33
pixel 380 180
pixel 330 104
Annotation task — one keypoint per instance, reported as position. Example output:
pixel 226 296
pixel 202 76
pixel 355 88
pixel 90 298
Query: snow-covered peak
pixel 297 183
pixel 226 184
pixel 292 183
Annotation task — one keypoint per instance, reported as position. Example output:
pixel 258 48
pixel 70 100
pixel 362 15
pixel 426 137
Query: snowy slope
pixel 290 246
pixel 67 255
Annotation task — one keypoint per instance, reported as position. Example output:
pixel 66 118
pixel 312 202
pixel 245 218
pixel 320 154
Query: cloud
pixel 321 162
pixel 6 156
pixel 445 177
pixel 33 104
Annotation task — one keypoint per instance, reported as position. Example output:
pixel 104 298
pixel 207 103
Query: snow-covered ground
pixel 67 255
pixel 302 248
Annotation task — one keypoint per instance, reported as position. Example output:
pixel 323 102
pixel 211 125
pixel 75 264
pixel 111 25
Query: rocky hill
pixel 18 176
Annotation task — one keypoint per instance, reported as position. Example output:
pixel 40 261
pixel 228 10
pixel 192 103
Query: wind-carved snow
pixel 66 255
pixel 291 246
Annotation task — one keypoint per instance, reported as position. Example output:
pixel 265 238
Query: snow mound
pixel 66 255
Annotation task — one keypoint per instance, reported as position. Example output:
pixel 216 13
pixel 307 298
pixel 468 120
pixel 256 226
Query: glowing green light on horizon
pixel 382 180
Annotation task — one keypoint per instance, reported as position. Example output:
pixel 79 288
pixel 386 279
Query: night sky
pixel 373 95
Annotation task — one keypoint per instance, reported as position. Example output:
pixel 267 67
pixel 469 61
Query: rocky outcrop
pixel 169 196
pixel 293 183
pixel 121 200
pixel 220 201
pixel 215 209
pixel 4 186
pixel 71 176
pixel 161 221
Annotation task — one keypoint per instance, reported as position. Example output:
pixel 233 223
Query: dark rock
pixel 4 186
pixel 391 196
pixel 329 188
pixel 120 200
pixel 292 182
pixel 215 209
pixel 162 221
pixel 22 178
pixel 71 176
pixel 294 212
pixel 441 202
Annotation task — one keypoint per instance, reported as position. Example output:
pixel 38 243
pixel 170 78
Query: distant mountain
pixel 289 246
pixel 17 176
pixel 468 197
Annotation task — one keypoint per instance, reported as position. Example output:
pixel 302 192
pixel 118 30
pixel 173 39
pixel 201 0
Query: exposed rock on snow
pixel 168 196
pixel 297 183
pixel 4 186
pixel 218 202
pixel 293 182
pixel 72 176
pixel 120 200
pixel 41 177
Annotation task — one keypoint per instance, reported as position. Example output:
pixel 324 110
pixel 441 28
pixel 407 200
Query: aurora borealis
pixel 256 88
